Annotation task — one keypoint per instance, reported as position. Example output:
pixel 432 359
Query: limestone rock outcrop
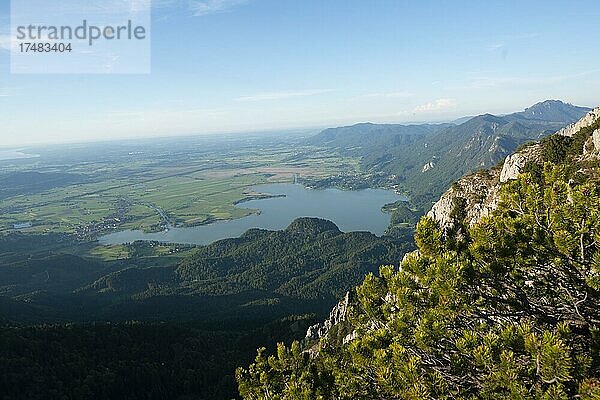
pixel 584 122
pixel 592 146
pixel 428 167
pixel 338 314
pixel 513 165
pixel 476 195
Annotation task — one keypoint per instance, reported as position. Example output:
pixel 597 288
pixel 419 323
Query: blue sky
pixel 246 65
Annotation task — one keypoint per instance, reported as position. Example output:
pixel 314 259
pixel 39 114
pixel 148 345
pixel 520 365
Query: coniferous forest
pixel 501 306
pixel 505 309
pixel 299 200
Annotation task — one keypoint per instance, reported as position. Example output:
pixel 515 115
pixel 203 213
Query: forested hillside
pixel 159 327
pixel 503 308
pixel 424 160
pixel 131 360
pixel 302 269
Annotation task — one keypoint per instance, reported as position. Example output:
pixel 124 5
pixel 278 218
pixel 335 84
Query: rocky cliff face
pixel 477 194
pixel 584 122
pixel 338 315
pixel 513 165
pixel 592 148
pixel 473 197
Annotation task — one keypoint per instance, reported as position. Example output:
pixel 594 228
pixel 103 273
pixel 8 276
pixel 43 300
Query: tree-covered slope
pixel 196 319
pixel 362 138
pixel 311 259
pixel 131 361
pixel 425 159
pixel 110 361
pixel 505 308
pixel 269 274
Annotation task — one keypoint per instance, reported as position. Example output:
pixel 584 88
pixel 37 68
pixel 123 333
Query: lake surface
pixel 350 210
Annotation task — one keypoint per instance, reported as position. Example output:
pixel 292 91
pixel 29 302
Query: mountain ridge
pixel 478 196
pixel 500 300
pixel 424 159
pixel 487 183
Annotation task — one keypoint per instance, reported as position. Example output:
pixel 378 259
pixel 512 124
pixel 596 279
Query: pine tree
pixel 508 310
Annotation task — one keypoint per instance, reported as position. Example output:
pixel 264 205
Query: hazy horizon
pixel 233 66
pixel 261 132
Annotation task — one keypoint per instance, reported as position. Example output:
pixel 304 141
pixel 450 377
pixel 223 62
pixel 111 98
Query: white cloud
pixel 496 46
pixel 437 105
pixel 519 36
pixel 7 46
pixel 282 95
pixel 502 42
pixel 204 7
pixel 117 6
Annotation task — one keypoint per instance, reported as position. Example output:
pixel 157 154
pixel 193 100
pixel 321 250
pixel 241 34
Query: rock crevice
pixel 338 314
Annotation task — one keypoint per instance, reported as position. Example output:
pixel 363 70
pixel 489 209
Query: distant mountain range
pixel 555 111
pixel 504 284
pixel 424 159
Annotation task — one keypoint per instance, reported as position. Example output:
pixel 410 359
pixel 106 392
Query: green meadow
pixel 185 188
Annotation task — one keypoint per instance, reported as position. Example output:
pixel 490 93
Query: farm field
pixel 152 185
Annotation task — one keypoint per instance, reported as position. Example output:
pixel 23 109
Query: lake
pixel 349 210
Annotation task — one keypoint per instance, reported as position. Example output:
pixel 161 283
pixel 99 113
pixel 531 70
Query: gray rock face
pixel 586 121
pixel 479 193
pixel 596 140
pixel 514 163
pixel 592 146
pixel 442 209
pixel 338 314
